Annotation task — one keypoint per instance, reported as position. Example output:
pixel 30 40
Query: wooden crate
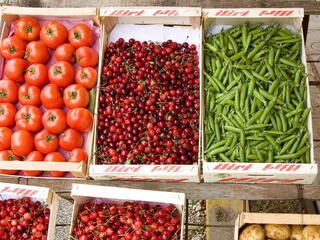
pixel 44 195
pixel 188 18
pixel 10 14
pixel 285 173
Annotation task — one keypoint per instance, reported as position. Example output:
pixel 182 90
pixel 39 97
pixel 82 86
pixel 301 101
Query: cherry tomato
pixel 75 96
pixel 27 28
pixel 29 118
pixel 54 120
pixel 87 77
pixel 80 119
pixel 70 139
pixel 8 155
pixel 61 73
pixel 33 156
pixel 55 157
pixel 37 74
pixel 12 47
pixel 81 35
pixel 46 142
pixel 29 95
pixel 86 57
pixel 78 155
pixel 51 96
pixel 8 91
pixel 5 138
pixel 37 52
pixel 7 114
pixel 15 68
pixel 22 142
pixel 53 34
pixel 65 52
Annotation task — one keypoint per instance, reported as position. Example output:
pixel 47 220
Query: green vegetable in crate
pixel 256 96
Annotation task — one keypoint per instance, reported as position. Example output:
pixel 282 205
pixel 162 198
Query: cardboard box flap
pixel 123 193
pixel 25 191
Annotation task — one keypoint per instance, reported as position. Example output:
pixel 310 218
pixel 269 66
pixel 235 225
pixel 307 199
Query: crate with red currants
pixel 27 212
pixel 148 104
pixel 122 213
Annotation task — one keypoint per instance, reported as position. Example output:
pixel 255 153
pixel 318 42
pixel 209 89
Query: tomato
pixel 70 139
pixel 65 52
pixel 29 118
pixel 22 142
pixel 75 96
pixel 37 74
pixel 46 142
pixel 8 155
pixel 29 95
pixel 54 120
pixel 61 73
pixel 5 138
pixel 87 77
pixel 51 96
pixel 7 114
pixel 15 68
pixel 81 35
pixel 37 52
pixel 33 156
pixel 80 119
pixel 78 155
pixel 55 157
pixel 8 91
pixel 12 47
pixel 53 34
pixel 87 57
pixel 27 28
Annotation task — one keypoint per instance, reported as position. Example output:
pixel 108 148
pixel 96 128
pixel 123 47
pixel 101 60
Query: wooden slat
pixel 314 72
pixel 313 45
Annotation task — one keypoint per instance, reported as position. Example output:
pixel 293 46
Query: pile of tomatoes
pixel 44 94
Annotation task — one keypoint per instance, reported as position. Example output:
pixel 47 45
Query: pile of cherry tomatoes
pixel 44 94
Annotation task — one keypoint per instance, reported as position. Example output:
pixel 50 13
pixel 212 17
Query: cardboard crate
pixel 274 218
pixel 82 193
pixel 189 18
pixel 10 14
pixel 44 195
pixel 260 172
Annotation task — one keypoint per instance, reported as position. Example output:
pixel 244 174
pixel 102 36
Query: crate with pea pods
pixel 257 115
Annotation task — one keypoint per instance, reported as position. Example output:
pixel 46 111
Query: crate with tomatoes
pixel 47 90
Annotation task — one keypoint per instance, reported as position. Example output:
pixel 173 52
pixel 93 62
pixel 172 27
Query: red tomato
pixel 12 47
pixel 65 52
pixel 8 91
pixel 78 155
pixel 54 120
pixel 15 68
pixel 37 52
pixel 80 119
pixel 51 96
pixel 81 35
pixel 27 28
pixel 34 156
pixel 7 114
pixel 61 73
pixel 70 139
pixel 29 95
pixel 37 74
pixel 21 142
pixel 5 138
pixel 87 77
pixel 46 142
pixel 87 57
pixel 55 157
pixel 29 118
pixel 53 34
pixel 75 96
pixel 8 155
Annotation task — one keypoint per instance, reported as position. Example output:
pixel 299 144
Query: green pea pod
pixel 216 145
pixel 232 129
pixel 267 109
pixel 256 49
pixel 224 157
pixel 207 62
pixel 292 155
pixel 304 139
pixel 244 35
pixel 210 47
pixel 274 144
pixel 217 151
pixel 212 82
pixel 286 147
pixel 287 62
pixel 255 117
pixel 270 156
pixel 277 56
pixel 271 57
pixel 284 123
pixel 217 129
